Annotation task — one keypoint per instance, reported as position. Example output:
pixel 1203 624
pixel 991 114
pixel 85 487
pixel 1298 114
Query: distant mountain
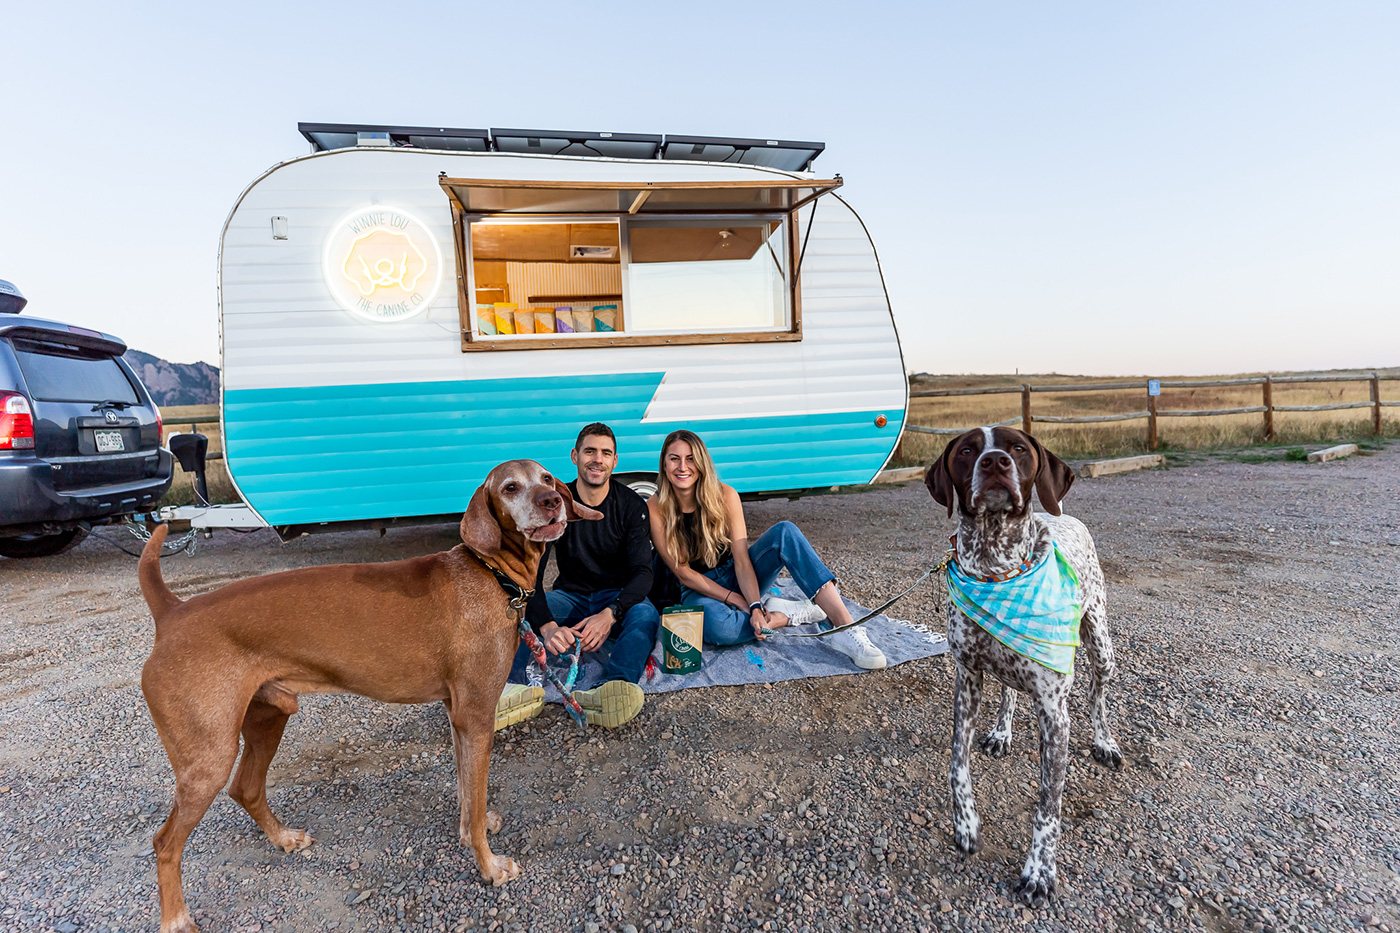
pixel 176 383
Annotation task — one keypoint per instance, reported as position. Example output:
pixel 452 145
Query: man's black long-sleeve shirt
pixel 611 553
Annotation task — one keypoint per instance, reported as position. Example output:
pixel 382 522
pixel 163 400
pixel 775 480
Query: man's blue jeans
pixel 778 547
pixel 633 636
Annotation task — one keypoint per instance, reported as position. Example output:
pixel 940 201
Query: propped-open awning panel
pixel 500 196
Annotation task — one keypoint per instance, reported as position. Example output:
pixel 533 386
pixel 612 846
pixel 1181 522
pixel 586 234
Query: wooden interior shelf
pixel 565 298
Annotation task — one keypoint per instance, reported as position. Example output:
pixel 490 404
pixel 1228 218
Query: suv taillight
pixel 16 422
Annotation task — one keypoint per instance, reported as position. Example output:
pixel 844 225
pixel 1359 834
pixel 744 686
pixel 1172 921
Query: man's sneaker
pixel 857 646
pixel 611 704
pixel 798 611
pixel 518 703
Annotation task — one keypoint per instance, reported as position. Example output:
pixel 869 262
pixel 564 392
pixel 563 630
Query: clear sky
pixel 1108 188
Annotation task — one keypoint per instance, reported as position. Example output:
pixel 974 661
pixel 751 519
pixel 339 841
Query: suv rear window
pixel 66 374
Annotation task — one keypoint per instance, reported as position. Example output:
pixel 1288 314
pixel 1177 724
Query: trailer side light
pixel 16 422
pixel 881 421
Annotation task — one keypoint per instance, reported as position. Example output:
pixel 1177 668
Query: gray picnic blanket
pixel 774 660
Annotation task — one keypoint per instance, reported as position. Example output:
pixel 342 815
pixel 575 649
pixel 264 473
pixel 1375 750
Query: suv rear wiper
pixel 111 403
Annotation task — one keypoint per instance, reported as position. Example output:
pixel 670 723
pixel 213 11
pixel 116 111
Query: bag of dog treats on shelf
pixel 525 320
pixel 544 320
pixel 682 631
pixel 505 317
pixel 605 317
pixel 564 320
pixel 583 320
pixel 486 320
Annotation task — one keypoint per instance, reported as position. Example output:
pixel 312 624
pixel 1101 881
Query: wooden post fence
pixel 1152 412
pixel 1151 422
pixel 1268 408
pixel 1375 405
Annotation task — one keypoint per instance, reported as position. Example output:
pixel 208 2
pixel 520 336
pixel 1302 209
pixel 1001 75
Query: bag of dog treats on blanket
pixel 682 631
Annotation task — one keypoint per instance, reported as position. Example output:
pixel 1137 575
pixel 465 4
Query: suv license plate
pixel 109 442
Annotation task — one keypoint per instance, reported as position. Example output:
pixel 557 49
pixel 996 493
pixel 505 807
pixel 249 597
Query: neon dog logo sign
pixel 382 264
pixel 380 258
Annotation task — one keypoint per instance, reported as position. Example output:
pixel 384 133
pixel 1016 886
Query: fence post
pixel 1375 404
pixel 1026 408
pixel 1268 408
pixel 1151 422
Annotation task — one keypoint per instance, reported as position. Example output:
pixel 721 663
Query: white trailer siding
pixel 329 417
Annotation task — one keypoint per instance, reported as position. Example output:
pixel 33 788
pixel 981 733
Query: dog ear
pixel 939 479
pixel 480 529
pixel 575 511
pixel 1052 478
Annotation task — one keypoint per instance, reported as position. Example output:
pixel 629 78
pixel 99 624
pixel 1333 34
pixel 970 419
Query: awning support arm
pixel 811 222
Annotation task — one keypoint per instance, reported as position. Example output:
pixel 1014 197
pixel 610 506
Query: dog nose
pixel 550 500
pixel 996 461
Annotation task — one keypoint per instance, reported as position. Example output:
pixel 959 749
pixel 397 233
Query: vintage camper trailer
pixel 403 308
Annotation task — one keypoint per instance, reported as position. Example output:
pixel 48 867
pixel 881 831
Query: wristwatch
pixel 616 611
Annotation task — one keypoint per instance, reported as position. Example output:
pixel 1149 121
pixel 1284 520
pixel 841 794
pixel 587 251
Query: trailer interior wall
pixel 329 417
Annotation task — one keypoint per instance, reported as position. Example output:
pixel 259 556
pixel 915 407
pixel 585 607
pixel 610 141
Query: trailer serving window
pixel 557 264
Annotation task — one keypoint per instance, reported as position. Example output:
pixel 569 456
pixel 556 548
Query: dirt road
pixel 1256 615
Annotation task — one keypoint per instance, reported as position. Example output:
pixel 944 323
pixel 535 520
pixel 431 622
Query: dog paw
pixel 966 840
pixel 501 870
pixel 1037 886
pixel 996 745
pixel 1108 756
pixel 180 923
pixel 293 840
pixel 493 821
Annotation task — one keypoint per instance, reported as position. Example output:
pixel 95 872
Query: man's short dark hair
pixel 599 429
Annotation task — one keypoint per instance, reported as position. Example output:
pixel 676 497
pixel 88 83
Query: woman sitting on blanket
pixel 697 526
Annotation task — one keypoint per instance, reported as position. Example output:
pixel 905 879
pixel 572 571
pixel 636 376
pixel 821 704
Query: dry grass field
pixel 206 418
pixel 1075 441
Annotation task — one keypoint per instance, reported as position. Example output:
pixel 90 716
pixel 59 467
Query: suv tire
pixel 41 545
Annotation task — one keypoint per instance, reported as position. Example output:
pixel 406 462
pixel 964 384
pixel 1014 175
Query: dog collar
pixel 519 596
pixel 990 578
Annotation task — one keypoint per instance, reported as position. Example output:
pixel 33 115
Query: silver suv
pixel 80 437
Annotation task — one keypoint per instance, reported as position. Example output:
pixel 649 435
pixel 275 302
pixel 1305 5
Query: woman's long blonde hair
pixel 714 527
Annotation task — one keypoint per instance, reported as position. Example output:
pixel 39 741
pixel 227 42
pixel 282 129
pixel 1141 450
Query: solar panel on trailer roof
pixel 571 142
pixel 787 155
pixel 324 136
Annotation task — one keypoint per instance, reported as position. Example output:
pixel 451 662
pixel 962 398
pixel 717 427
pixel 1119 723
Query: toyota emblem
pixel 110 415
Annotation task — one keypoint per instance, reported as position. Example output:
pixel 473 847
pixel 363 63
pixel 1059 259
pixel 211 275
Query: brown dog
pixel 412 631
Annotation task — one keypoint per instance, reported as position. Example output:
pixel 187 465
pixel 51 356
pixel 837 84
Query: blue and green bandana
pixel 1036 613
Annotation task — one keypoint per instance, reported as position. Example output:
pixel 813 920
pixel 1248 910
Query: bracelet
pixel 755 605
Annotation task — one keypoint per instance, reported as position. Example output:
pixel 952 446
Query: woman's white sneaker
pixel 798 611
pixel 857 646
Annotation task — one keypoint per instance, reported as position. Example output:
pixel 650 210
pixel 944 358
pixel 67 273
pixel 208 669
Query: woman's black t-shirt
pixel 690 531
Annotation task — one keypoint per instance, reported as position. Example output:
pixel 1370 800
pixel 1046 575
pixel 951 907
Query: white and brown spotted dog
pixel 988 474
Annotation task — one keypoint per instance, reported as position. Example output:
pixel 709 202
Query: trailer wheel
pixel 643 484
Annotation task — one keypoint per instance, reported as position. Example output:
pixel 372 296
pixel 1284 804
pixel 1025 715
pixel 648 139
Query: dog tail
pixel 158 595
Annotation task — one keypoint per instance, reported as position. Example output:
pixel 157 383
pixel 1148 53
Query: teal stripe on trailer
pixel 345 453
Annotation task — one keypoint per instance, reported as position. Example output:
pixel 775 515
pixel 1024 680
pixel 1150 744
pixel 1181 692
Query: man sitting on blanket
pixel 600 595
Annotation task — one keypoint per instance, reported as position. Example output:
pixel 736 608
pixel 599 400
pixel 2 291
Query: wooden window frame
pixel 466 306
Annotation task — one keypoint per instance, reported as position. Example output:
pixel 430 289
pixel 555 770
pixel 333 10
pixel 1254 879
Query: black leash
pixel 942 565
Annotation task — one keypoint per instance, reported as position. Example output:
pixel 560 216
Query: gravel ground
pixel 1254 607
